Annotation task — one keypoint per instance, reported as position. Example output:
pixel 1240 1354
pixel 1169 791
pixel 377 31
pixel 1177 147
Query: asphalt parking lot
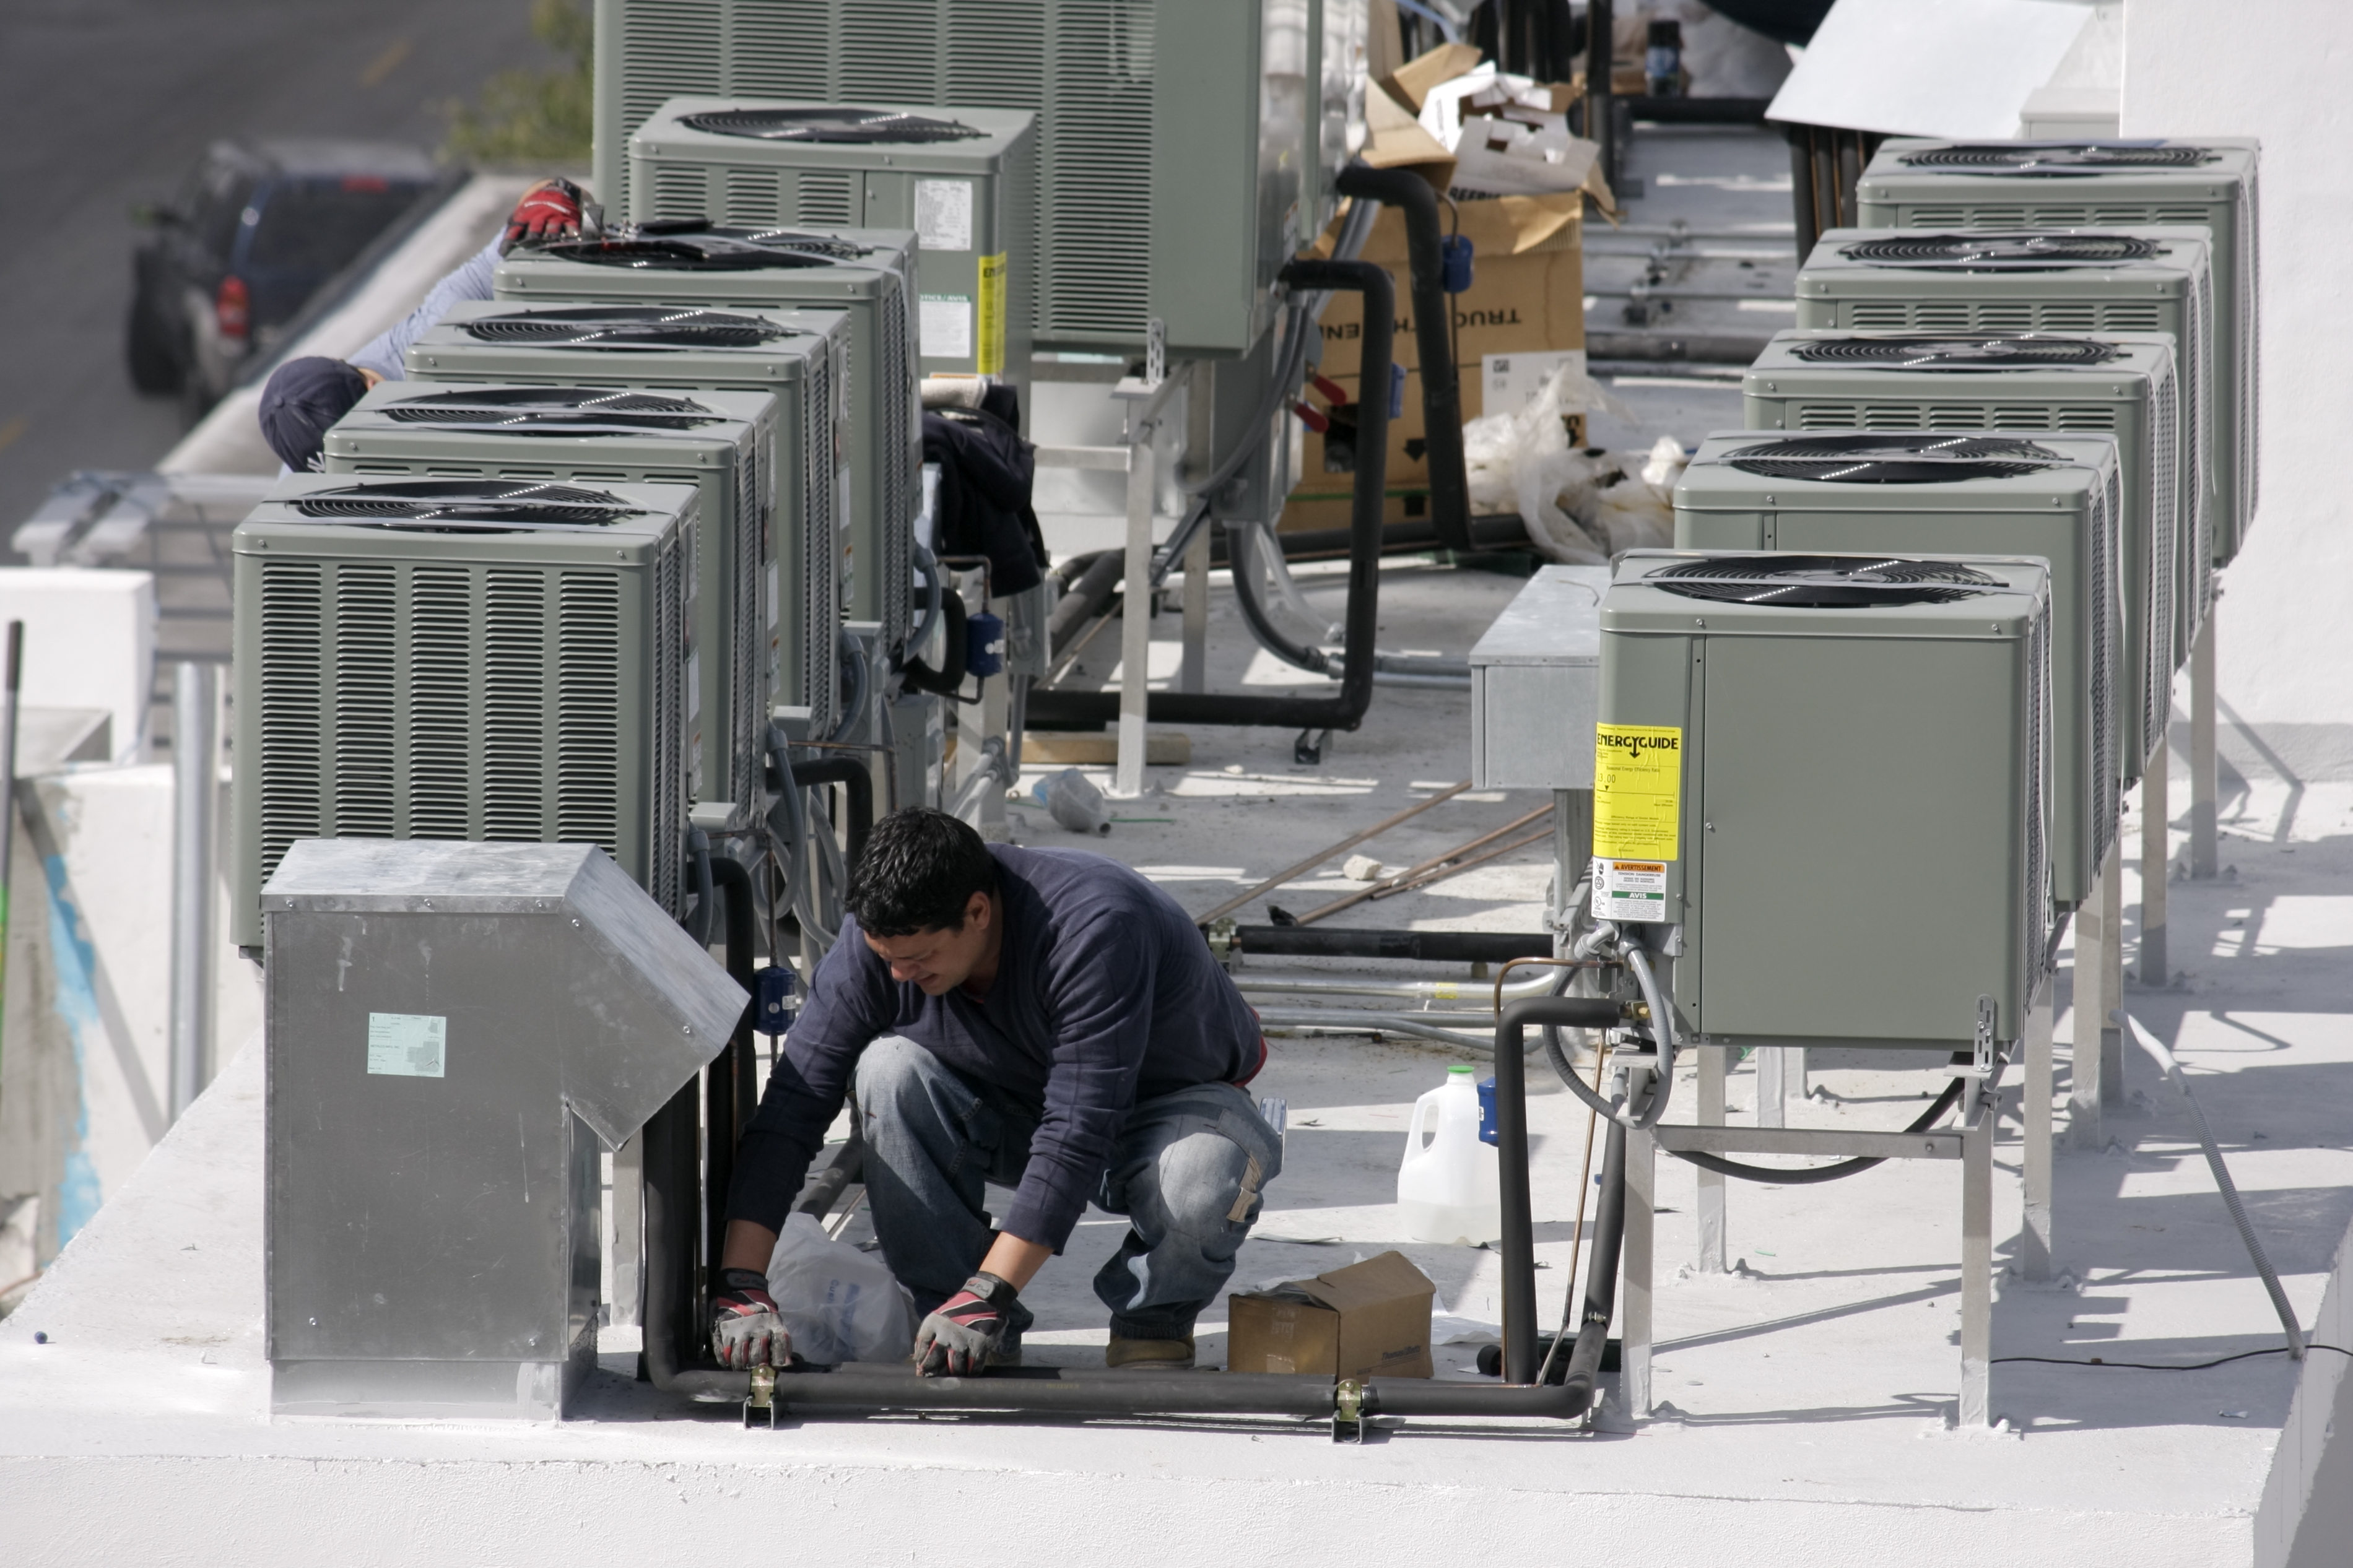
pixel 108 103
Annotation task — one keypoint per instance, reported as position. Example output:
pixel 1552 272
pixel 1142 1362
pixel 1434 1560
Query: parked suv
pixel 255 231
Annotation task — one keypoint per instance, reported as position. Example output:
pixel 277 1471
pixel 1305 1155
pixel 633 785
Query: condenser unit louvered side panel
pixel 366 708
pixel 819 623
pixel 291 738
pixel 2165 475
pixel 2249 305
pixel 889 567
pixel 403 699
pixel 2107 512
pixel 2035 917
pixel 1954 316
pixel 1085 68
pixel 748 718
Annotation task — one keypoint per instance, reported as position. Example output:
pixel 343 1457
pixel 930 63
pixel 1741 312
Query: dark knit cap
pixel 303 397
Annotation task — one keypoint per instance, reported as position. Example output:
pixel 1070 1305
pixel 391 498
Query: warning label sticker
pixel 1638 779
pixel 1629 889
pixel 991 360
pixel 944 215
pixel 944 322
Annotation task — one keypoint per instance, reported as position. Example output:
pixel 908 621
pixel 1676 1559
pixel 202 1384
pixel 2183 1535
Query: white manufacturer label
pixel 1629 889
pixel 406 1045
pixel 944 215
pixel 946 324
pixel 1511 380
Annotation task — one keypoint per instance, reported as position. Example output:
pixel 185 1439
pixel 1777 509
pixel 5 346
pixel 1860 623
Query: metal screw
pixel 575 921
pixel 686 1028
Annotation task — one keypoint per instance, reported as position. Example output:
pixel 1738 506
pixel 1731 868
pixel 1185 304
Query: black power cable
pixel 1830 1173
pixel 2167 1367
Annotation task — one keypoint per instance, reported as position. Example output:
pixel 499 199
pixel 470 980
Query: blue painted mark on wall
pixel 75 964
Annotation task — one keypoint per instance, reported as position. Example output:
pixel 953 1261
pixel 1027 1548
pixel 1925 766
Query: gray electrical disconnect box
pixel 454 1031
pixel 1536 684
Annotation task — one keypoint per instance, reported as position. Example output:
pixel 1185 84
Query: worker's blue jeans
pixel 1187 1170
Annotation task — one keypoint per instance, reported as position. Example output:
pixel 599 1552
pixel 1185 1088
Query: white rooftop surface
pixel 1805 1397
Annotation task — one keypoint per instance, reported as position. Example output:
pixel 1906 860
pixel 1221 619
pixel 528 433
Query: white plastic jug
pixel 1450 1189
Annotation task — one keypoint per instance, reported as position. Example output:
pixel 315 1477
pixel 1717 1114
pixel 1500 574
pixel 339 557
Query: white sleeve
pixel 387 353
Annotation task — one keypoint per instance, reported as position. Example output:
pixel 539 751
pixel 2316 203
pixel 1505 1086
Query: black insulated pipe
pixel 1600 113
pixel 853 776
pixel 1346 709
pixel 1520 1358
pixel 674 1357
pixel 1433 332
pixel 1429 946
pixel 732 1078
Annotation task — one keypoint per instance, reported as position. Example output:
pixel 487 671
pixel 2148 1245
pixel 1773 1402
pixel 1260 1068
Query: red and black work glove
pixel 547 212
pixel 745 1329
pixel 958 1340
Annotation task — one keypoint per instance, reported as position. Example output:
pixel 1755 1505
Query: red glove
pixel 549 211
pixel 745 1327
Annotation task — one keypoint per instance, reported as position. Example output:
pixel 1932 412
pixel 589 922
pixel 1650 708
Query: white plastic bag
pixel 1580 507
pixel 839 1304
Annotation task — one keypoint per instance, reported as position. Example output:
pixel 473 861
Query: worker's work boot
pixel 1150 1355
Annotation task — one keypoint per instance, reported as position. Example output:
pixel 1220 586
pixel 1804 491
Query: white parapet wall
pixel 85 1080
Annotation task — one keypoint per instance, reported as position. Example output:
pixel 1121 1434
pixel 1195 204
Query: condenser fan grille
pixel 599 399
pixel 584 409
pixel 1824 582
pixel 1894 459
pixel 2081 156
pixel 2023 252
pixel 575 422
pixel 704 251
pixel 856 127
pixel 630 326
pixel 464 505
pixel 1935 352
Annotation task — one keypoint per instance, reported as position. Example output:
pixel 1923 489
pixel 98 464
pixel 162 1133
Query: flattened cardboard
pixel 1368 1319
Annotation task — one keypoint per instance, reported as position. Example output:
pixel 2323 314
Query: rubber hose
pixel 1804 1176
pixel 853 653
pixel 948 679
pixel 1244 555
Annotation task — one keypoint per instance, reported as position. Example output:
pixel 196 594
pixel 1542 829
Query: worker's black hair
pixel 919 869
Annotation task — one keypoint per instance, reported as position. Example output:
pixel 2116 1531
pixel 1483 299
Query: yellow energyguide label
pixel 990 359
pixel 1638 786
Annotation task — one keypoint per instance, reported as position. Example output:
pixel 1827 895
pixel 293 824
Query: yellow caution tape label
pixel 991 360
pixel 1638 783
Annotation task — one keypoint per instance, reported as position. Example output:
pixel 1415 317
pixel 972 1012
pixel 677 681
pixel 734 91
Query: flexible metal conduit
pixel 1346 709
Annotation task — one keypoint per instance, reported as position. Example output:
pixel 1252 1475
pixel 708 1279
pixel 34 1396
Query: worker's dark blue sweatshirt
pixel 1105 995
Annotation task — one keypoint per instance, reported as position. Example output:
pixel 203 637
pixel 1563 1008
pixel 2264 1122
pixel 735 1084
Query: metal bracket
pixel 1308 750
pixel 1983 1062
pixel 761 1407
pixel 1220 935
pixel 1348 1412
pixel 1155 352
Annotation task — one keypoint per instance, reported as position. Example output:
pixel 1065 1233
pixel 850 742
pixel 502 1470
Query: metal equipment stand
pixel 2155 860
pixel 1972 1146
pixel 2096 1064
pixel 1715 1066
pixel 2203 767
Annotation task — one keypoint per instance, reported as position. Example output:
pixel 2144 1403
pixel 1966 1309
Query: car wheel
pixel 157 365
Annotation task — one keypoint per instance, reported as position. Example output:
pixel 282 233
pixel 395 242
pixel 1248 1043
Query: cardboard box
pixel 1368 1319
pixel 1527 284
pixel 1498 382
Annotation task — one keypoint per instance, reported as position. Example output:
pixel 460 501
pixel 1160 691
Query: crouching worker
pixel 1045 1019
